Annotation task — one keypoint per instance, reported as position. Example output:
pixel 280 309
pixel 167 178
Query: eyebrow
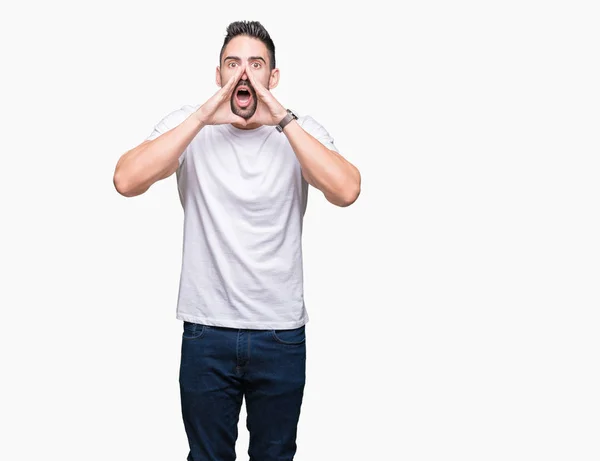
pixel 237 58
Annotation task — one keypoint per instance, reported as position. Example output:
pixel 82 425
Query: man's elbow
pixel 347 198
pixel 352 191
pixel 124 187
pixel 121 185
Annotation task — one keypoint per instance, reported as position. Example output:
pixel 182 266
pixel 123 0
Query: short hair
pixel 251 29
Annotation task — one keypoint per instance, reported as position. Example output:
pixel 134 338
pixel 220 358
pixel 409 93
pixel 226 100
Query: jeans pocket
pixel 193 330
pixel 293 337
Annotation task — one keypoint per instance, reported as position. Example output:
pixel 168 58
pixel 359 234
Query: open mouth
pixel 243 97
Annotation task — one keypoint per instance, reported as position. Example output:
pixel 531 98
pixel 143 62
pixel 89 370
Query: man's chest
pixel 255 177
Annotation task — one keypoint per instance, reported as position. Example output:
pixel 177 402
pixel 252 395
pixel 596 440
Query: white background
pixel 454 308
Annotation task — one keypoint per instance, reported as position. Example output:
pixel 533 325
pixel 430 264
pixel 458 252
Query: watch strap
pixel 285 120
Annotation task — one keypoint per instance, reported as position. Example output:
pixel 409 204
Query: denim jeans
pixel 221 365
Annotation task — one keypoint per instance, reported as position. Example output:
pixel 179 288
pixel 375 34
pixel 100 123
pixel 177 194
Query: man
pixel 243 164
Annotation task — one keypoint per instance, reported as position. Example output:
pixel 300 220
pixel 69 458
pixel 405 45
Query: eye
pixel 258 65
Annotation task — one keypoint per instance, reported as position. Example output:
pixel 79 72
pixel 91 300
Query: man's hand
pixel 269 111
pixel 217 110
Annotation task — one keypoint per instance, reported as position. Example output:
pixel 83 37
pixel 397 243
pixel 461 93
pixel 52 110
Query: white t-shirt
pixel 244 198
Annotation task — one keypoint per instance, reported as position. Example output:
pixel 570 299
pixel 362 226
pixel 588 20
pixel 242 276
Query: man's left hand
pixel 268 111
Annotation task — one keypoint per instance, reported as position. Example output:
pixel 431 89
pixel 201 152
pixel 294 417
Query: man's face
pixel 239 51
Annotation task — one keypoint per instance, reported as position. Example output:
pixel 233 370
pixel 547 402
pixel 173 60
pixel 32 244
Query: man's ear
pixel 218 76
pixel 274 79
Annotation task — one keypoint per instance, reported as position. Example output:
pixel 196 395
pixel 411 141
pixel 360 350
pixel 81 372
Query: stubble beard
pixel 245 112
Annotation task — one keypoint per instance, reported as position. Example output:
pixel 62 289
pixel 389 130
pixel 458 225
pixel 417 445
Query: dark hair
pixel 251 29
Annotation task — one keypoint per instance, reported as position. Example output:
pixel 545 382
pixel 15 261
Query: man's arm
pixel 323 168
pixel 155 159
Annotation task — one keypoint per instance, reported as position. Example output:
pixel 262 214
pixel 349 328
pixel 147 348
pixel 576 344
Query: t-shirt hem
pixel 251 325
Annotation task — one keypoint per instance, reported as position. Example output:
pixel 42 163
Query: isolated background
pixel 454 308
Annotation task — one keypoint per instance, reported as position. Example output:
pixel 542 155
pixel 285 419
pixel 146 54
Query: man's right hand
pixel 217 110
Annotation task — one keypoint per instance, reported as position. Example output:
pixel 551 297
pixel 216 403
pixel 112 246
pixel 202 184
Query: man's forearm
pixel 151 161
pixel 323 168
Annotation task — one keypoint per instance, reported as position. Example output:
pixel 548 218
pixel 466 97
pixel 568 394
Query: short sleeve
pixel 316 130
pixel 169 122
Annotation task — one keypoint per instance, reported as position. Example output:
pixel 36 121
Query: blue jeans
pixel 221 365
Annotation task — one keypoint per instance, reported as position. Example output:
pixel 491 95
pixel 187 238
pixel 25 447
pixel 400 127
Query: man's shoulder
pixel 187 109
pixel 316 129
pixel 307 122
pixel 301 117
pixel 176 116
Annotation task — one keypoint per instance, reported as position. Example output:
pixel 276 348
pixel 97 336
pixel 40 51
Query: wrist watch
pixel 287 119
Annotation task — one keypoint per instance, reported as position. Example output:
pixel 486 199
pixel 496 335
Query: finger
pixel 255 83
pixel 260 89
pixel 237 119
pixel 233 80
pixel 230 85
